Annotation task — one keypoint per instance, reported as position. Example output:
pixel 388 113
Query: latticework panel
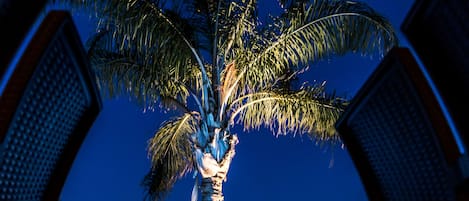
pixel 397 139
pixel 52 105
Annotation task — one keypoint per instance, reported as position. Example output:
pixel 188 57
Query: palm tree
pixel 219 65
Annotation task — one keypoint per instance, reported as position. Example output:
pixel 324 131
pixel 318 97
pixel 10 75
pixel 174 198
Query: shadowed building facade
pixel 438 31
pixel 48 102
pixel 399 137
pixel 406 130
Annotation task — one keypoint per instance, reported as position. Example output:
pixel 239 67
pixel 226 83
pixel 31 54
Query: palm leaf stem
pixel 241 20
pixel 178 104
pixel 332 16
pixel 194 96
pixel 190 90
pixel 206 89
pixel 230 43
pixel 186 117
pixel 247 96
pixel 237 111
pixel 216 62
pixel 242 73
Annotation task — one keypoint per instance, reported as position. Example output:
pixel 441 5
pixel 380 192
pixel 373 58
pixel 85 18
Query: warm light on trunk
pixel 214 173
pixel 211 189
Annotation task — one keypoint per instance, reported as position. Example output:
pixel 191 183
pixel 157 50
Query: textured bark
pixel 214 174
pixel 211 189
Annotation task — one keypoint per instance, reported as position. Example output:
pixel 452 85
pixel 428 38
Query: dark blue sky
pixel 112 160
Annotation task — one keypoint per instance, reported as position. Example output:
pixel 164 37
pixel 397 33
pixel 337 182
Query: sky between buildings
pixel 113 160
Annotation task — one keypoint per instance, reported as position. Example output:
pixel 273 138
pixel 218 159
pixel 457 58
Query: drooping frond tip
pixel 308 110
pixel 171 155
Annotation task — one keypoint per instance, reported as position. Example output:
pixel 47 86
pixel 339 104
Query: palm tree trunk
pixel 211 188
pixel 213 172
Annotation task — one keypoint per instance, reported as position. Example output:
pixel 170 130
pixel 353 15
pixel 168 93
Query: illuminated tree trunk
pixel 211 188
pixel 213 172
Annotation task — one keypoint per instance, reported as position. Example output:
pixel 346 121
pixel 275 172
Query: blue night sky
pixel 113 159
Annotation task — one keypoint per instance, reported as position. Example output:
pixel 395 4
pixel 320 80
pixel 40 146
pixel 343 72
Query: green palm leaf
pixel 308 110
pixel 317 31
pixel 240 24
pixel 128 71
pixel 143 49
pixel 122 75
pixel 171 155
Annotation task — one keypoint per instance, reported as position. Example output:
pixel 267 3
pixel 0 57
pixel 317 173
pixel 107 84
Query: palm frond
pixel 315 32
pixel 229 75
pixel 171 155
pixel 159 41
pixel 124 71
pixel 121 75
pixel 239 27
pixel 141 28
pixel 308 110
